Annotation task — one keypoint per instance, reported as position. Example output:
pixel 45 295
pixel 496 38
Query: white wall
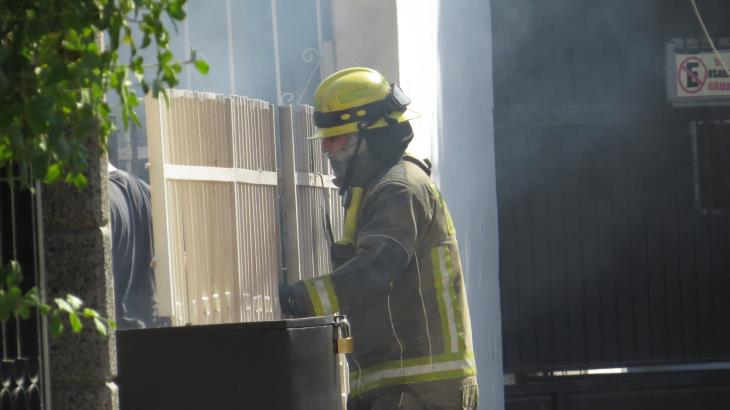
pixel 419 72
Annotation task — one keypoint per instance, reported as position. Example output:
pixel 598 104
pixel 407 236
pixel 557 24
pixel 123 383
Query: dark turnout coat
pixel 131 221
pixel 403 290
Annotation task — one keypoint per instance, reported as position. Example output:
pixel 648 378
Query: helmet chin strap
pixel 345 188
pixel 362 125
pixel 344 249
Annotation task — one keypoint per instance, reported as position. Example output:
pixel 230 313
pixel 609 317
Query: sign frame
pixel 673 80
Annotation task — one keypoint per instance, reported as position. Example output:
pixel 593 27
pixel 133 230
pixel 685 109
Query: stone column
pixel 77 259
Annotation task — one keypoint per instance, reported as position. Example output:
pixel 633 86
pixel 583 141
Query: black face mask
pixel 388 144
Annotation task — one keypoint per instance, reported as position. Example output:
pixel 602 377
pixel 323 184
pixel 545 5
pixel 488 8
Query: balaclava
pixel 340 159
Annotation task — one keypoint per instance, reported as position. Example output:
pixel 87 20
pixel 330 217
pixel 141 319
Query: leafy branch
pixel 55 73
pixel 15 303
pixel 54 76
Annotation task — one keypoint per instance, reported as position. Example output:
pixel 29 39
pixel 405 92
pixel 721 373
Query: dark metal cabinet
pixel 288 365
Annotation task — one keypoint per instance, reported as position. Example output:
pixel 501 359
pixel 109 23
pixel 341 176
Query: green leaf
pixel 90 313
pixel 176 10
pixel 135 118
pixel 92 48
pixel 75 322
pixel 37 113
pixel 127 39
pixel 202 66
pixel 146 40
pixel 156 86
pixel 137 65
pixel 74 301
pixel 55 323
pixel 23 310
pixel 79 180
pixel 100 327
pixel 72 41
pixel 33 297
pixel 162 37
pixel 132 100
pixel 115 26
pixel 63 305
pixel 14 276
pixel 169 76
pixel 164 58
pixel 54 172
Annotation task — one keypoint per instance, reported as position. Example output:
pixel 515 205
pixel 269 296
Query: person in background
pixel 131 222
pixel 397 273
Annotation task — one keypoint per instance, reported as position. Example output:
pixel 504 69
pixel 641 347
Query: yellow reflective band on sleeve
pixel 457 302
pixel 449 222
pixel 449 304
pixel 322 295
pixel 443 296
pixel 411 371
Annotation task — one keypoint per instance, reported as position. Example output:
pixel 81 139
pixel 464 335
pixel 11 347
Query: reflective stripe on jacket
pixel 403 290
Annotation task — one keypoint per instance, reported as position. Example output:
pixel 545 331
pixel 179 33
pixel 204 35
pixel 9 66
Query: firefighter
pixel 397 273
pixel 131 221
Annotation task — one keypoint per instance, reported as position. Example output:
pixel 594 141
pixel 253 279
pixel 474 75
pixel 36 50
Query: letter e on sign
pixel 692 75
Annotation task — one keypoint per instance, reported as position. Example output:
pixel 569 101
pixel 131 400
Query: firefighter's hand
pixel 287 301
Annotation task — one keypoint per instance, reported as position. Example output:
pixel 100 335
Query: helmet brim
pixel 351 127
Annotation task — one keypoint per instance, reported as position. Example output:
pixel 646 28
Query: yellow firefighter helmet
pixel 358 98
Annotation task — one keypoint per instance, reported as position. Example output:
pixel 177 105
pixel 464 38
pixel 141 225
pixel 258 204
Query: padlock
pixel 345 343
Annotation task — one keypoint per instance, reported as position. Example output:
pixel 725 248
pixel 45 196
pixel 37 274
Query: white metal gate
pixel 308 196
pixel 215 200
pixel 213 175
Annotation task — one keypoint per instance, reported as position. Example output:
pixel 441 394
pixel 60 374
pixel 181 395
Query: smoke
pixel 594 173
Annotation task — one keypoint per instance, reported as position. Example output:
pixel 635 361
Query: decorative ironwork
pixel 20 369
pixel 309 55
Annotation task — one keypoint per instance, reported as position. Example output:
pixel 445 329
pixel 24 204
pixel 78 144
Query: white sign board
pixel 702 75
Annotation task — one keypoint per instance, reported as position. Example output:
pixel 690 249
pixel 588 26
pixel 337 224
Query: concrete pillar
pixel 468 178
pixel 77 247
pixel 397 38
pixel 365 33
